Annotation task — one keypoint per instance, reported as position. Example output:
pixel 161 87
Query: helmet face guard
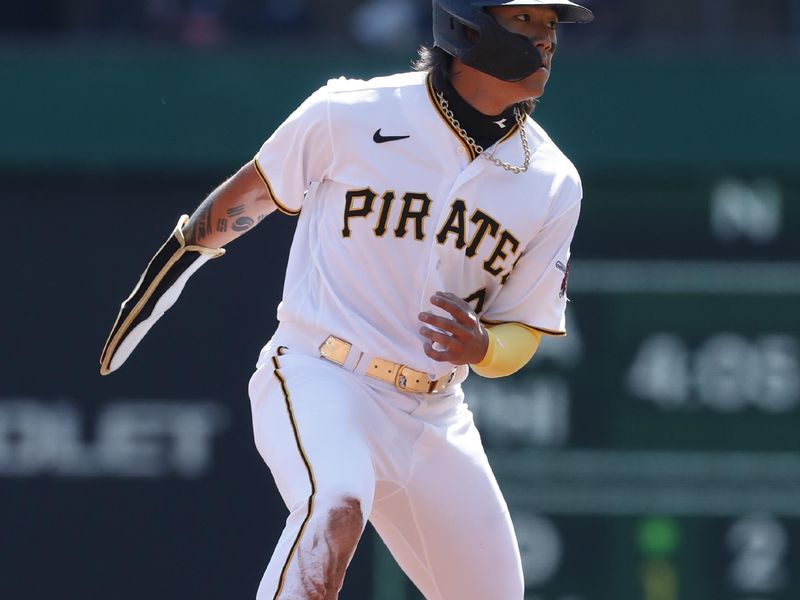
pixel 496 51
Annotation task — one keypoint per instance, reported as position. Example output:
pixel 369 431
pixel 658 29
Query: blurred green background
pixel 653 454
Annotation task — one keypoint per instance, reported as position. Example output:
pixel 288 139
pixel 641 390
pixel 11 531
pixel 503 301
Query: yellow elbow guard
pixel 511 346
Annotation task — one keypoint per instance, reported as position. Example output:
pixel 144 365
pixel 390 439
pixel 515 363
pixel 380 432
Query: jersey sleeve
pixel 535 294
pixel 297 154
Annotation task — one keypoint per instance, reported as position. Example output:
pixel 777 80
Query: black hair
pixel 438 63
pixel 433 60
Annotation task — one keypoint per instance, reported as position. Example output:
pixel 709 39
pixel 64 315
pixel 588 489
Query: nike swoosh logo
pixel 381 139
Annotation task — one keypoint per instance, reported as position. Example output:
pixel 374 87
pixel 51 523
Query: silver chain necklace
pixel 478 149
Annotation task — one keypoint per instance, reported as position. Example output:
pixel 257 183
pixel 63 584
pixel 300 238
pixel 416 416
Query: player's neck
pixel 483 92
pixel 484 129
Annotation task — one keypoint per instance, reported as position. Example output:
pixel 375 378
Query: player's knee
pixel 345 523
pixel 322 565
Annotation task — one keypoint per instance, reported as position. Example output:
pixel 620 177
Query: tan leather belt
pixel 402 377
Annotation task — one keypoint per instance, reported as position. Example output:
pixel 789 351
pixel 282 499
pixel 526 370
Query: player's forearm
pixel 231 210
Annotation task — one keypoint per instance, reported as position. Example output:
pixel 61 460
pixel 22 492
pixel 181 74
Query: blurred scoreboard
pixel 654 453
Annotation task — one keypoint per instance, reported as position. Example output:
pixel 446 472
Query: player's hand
pixel 462 339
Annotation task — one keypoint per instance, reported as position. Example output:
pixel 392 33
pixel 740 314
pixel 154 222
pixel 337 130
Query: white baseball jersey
pixel 393 206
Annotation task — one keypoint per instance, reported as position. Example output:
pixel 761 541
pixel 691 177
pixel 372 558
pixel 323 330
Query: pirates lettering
pixel 415 208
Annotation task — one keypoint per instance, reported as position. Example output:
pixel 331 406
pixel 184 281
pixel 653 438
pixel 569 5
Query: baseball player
pixel 435 218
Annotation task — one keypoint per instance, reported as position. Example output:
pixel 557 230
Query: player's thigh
pixel 449 528
pixel 464 564
pixel 404 542
pixel 308 431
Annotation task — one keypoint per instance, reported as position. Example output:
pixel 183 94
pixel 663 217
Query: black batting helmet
pixel 497 51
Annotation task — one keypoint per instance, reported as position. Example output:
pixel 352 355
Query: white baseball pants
pixel 345 448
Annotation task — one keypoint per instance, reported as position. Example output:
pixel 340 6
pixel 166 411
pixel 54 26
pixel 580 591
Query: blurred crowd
pixel 391 23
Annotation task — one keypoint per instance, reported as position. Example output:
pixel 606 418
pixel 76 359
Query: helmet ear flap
pixel 474 37
pixel 469 32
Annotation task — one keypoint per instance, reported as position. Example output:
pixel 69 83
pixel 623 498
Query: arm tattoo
pixel 243 224
pixel 202 224
pixel 236 210
pixel 222 225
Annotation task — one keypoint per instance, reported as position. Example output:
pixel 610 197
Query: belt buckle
pixel 335 350
pixel 402 380
pixel 438 386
